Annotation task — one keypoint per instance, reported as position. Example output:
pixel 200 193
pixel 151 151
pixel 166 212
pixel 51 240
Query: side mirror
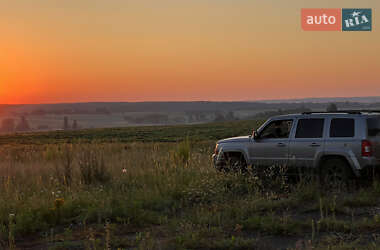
pixel 255 135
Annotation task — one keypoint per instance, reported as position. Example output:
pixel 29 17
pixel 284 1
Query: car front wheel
pixel 237 164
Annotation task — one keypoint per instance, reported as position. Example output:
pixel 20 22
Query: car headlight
pixel 216 151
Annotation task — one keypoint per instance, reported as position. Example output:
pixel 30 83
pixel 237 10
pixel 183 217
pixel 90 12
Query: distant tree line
pixel 66 125
pixel 189 117
pixel 220 116
pixel 96 111
pixel 267 114
pixel 9 125
pixel 148 119
pixel 194 109
pixel 332 107
pixel 196 116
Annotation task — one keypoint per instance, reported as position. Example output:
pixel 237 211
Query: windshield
pixel 373 126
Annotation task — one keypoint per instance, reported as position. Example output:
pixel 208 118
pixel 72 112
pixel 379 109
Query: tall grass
pixel 96 181
pixel 95 187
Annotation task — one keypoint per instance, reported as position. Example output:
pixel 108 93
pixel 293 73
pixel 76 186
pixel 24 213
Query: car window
pixel 342 127
pixel 277 129
pixel 373 126
pixel 310 128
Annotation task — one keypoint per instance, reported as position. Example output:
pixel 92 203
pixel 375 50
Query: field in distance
pixel 199 132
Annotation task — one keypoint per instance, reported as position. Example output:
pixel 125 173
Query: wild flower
pixel 238 228
pixel 124 170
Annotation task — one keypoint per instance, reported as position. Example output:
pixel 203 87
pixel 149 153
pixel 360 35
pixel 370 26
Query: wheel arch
pixel 229 152
pixel 342 157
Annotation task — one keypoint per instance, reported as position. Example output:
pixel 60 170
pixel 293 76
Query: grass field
pixel 155 188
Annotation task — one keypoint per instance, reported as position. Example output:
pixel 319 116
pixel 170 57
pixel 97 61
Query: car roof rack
pixel 356 112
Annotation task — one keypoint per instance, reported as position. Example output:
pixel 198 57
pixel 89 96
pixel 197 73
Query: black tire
pixel 335 173
pixel 237 164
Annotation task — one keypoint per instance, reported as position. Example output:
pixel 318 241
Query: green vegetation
pixel 107 191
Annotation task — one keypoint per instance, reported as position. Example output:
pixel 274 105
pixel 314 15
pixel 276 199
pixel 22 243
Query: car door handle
pixel 315 144
pixel 280 144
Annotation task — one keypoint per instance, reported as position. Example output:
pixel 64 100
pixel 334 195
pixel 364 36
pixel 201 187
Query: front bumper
pixel 218 162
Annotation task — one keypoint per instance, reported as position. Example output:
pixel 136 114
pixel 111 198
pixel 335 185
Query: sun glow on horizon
pixel 171 51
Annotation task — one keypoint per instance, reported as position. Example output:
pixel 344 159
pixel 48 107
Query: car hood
pixel 235 139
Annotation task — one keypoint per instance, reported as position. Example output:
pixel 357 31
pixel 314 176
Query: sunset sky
pixel 180 50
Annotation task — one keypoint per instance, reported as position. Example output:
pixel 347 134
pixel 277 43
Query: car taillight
pixel 366 148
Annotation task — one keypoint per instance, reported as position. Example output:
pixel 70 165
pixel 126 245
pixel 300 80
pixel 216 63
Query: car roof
pixel 327 114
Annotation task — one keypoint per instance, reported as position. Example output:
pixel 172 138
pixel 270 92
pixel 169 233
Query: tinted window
pixel 277 129
pixel 373 125
pixel 342 127
pixel 310 128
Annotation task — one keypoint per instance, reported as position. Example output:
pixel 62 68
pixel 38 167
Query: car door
pixel 342 137
pixel 307 142
pixel 272 144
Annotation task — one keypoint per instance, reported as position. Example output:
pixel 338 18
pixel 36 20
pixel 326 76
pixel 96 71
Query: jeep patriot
pixel 342 144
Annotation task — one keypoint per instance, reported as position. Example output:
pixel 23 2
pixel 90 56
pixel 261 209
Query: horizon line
pixel 168 101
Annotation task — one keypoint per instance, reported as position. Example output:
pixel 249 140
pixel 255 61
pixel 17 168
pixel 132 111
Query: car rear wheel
pixel 335 174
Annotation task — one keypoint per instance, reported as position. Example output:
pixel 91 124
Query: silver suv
pixel 339 144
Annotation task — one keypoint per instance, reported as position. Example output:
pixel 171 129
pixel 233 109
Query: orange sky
pixel 140 50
